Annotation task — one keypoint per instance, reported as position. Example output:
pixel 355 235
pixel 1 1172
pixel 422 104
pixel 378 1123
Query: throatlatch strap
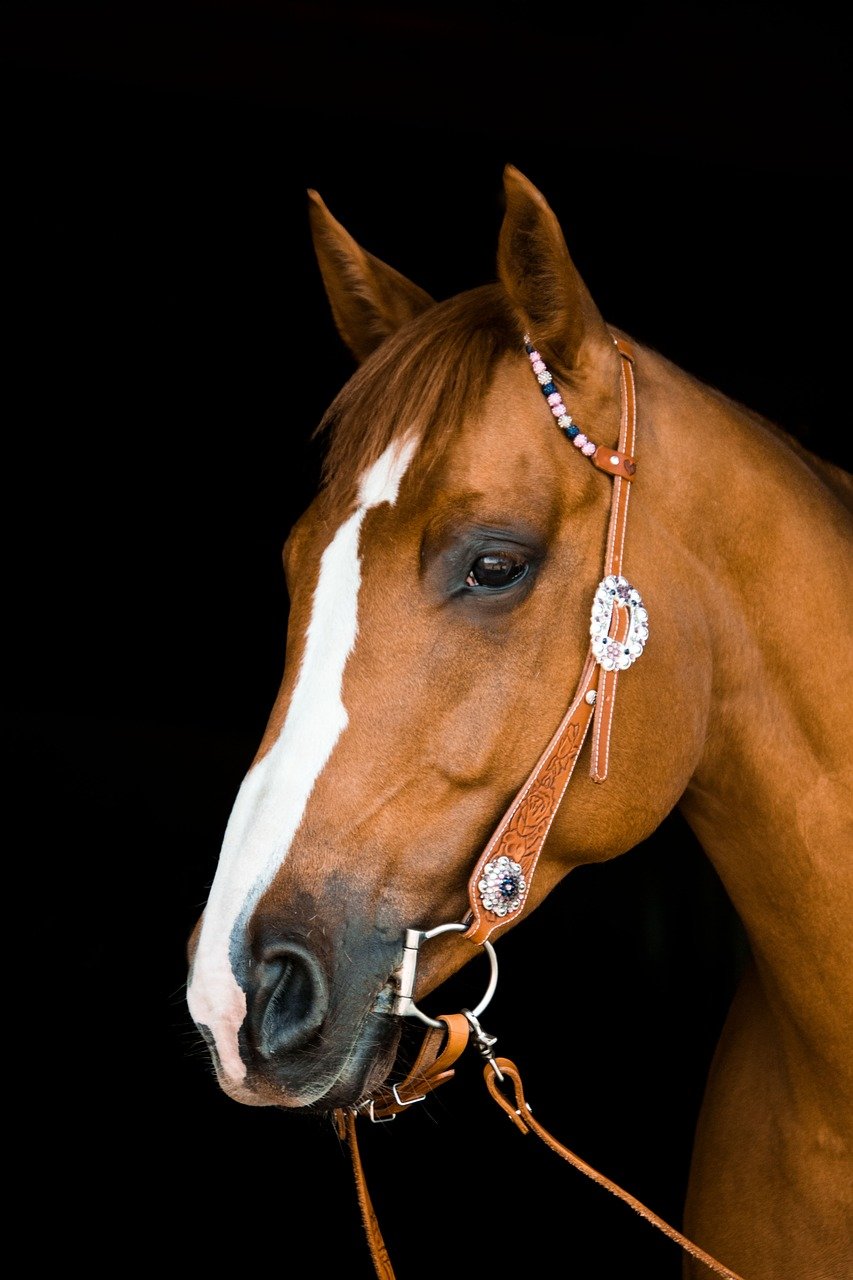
pixel 522 830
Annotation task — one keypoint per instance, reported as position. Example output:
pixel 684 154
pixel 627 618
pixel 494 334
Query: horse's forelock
pixel 422 381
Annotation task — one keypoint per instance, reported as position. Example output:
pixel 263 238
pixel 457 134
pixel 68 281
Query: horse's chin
pixel 365 1067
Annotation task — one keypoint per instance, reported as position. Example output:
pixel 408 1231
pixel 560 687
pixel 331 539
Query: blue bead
pixel 548 389
pixel 528 347
pixel 572 431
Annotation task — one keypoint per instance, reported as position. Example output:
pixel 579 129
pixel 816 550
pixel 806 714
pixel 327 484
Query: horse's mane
pixel 423 378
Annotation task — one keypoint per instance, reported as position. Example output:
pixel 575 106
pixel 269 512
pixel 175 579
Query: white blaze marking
pixel 273 797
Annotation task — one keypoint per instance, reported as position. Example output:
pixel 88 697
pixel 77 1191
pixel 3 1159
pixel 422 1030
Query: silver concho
pixel 615 592
pixel 502 885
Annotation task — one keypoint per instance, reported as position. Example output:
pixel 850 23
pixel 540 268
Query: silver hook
pixel 484 1042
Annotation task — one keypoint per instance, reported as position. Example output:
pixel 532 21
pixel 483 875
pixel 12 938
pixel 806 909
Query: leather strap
pixel 522 1117
pixel 519 1112
pixel 522 830
pixel 613 556
pixel 604 700
pixel 378 1250
pixel 433 1067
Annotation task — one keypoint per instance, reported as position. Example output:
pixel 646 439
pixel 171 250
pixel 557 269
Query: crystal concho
pixel 615 592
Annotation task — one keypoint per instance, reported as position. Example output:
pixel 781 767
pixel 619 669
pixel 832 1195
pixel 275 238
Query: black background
pixel 169 351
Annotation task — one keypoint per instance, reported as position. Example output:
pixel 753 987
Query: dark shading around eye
pixel 496 569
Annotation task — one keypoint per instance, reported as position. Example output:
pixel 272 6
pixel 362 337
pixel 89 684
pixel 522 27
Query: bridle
pixel 499 885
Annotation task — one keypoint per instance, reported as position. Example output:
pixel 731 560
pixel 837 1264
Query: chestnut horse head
pixel 440 586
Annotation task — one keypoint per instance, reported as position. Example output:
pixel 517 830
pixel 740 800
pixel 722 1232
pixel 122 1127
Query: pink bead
pixel 539 366
pixel 580 440
pixel 535 357
pixel 558 409
pixel 554 398
pixel 588 448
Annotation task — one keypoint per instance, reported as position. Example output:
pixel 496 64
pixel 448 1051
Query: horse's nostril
pixel 291 999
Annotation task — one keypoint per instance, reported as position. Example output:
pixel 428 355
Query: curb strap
pixel 521 832
pixel 432 1067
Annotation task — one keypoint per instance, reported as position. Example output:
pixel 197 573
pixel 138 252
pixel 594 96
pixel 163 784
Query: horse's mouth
pixel 370 1062
pixel 301 1084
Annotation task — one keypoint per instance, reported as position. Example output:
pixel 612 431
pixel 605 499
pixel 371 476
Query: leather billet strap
pixel 522 830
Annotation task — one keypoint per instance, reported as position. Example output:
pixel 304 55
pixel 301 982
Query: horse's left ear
pixel 537 272
pixel 369 299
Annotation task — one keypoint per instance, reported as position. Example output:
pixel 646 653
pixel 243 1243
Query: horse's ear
pixel 369 299
pixel 537 272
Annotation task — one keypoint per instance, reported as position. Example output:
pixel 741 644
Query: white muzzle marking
pixel 274 795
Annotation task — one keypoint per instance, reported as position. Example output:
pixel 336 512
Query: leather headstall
pixel 499 885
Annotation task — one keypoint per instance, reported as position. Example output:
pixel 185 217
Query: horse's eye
pixel 496 569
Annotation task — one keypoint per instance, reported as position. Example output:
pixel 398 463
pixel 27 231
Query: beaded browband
pixel 549 390
pixel 610 460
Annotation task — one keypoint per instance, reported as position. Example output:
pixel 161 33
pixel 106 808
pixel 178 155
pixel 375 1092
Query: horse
pixel 468 588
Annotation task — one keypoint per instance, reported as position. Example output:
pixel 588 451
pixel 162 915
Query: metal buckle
pixel 406 1102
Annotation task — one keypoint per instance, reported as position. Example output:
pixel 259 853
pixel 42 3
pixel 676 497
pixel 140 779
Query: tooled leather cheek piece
pixel 499 885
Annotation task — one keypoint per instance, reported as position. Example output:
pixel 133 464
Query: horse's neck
pixel 767 545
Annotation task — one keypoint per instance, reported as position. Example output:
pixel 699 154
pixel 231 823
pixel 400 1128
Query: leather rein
pixel 499 885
